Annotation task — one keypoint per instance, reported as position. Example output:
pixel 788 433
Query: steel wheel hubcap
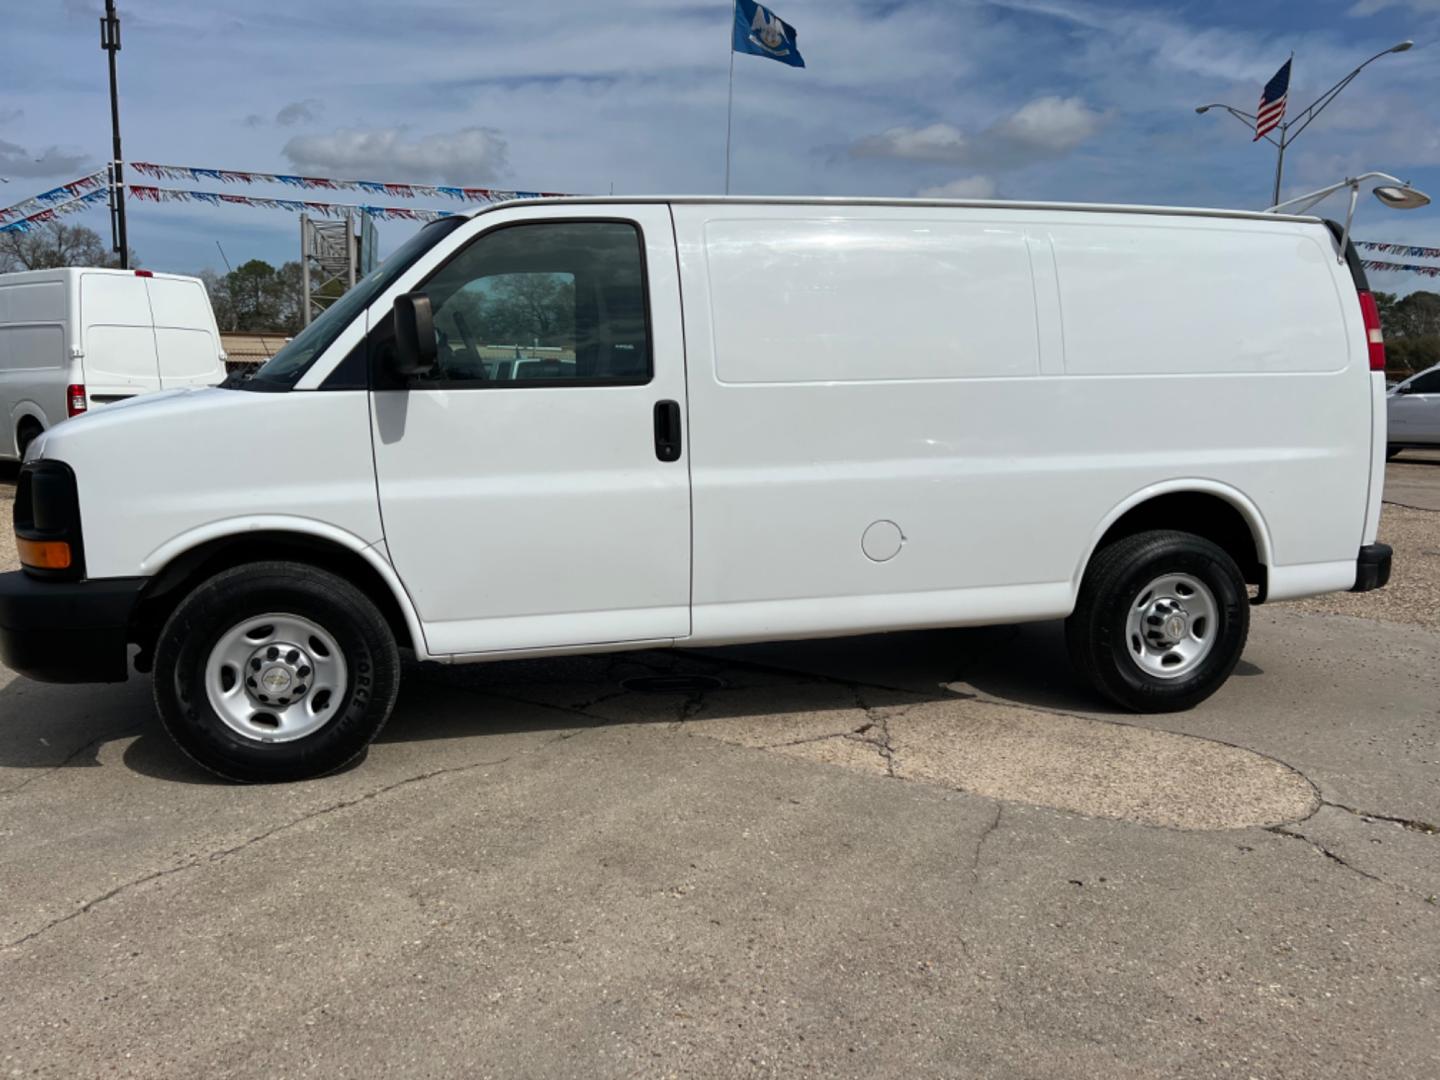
pixel 275 677
pixel 1171 626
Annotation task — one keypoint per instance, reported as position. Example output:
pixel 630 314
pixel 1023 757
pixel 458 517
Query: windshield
pixel 286 366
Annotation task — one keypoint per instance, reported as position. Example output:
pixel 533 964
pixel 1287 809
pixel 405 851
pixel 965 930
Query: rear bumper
pixel 1372 567
pixel 67 632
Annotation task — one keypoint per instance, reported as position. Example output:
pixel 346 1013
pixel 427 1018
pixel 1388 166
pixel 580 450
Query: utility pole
pixel 110 42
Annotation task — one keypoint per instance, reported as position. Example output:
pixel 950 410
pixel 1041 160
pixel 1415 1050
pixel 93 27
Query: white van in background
pixel 774 418
pixel 76 337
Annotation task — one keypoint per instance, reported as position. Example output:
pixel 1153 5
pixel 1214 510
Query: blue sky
pixel 1054 99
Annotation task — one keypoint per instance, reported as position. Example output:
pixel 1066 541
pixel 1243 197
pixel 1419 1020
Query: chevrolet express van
pixel 754 419
pixel 76 337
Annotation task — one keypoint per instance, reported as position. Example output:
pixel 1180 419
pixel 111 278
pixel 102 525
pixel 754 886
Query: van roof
pixel 830 200
pixel 62 273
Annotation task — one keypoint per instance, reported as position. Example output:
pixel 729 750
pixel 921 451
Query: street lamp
pixel 1393 192
pixel 1290 129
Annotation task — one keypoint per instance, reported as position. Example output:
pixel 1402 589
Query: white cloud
pixel 1046 128
pixel 472 155
pixel 937 142
pixel 1051 124
pixel 298 112
pixel 967 187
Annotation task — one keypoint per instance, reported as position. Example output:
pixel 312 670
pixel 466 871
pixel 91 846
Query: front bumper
pixel 1372 567
pixel 67 632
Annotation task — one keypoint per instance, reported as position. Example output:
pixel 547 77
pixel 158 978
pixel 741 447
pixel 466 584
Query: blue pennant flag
pixel 759 31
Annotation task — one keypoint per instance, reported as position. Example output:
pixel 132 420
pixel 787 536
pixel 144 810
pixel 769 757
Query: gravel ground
pixel 1413 595
pixel 8 559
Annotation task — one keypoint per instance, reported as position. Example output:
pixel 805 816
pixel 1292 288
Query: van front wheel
pixel 1160 622
pixel 275 671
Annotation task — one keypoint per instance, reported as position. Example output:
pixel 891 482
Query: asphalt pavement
pixel 930 854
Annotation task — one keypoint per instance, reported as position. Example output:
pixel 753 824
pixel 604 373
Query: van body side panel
pixel 861 380
pixel 1241 348
pixel 1206 298
pixel 33 354
pixel 853 367
pixel 241 464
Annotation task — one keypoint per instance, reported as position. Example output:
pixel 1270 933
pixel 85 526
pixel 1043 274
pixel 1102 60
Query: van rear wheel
pixel 1160 622
pixel 275 671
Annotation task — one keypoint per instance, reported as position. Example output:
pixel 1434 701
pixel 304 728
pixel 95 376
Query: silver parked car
pixel 1414 412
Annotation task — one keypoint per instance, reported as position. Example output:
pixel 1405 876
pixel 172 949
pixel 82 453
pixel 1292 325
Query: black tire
pixel 27 433
pixel 229 598
pixel 1100 646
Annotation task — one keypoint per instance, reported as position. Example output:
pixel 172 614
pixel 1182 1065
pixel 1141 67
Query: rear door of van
pixel 187 342
pixel 118 333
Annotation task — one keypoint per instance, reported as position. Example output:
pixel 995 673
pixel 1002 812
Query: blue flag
pixel 760 31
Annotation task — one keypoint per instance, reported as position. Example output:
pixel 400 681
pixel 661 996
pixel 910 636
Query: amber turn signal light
pixel 43 554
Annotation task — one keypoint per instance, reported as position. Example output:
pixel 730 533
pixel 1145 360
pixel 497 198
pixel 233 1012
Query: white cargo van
pixel 77 337
pixel 774 419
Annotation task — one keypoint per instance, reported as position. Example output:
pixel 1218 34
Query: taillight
pixel 75 402
pixel 1373 334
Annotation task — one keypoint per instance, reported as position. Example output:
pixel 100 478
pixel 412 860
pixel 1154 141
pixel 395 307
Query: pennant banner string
pixel 325 183
pixel 1414 251
pixel 147 193
pixel 54 197
pixel 49 213
pixel 1405 268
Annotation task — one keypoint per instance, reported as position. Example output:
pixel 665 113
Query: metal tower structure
pixel 329 259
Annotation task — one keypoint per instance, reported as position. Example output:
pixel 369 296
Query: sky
pixel 1074 100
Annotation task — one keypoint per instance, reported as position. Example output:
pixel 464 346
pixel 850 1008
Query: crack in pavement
pixel 980 843
pixel 222 854
pixel 1409 506
pixel 878 718
pixel 1281 830
pixel 1422 827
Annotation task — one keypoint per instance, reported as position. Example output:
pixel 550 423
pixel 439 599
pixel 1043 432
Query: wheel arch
pixel 183 563
pixel 1207 508
pixel 25 412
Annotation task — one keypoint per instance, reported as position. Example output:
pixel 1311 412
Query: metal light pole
pixel 1290 129
pixel 110 42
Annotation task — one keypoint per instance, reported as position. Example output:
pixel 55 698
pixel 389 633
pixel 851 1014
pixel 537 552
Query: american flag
pixel 1272 102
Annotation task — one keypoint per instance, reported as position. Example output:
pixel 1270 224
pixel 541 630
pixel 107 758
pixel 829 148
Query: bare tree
pixel 56 244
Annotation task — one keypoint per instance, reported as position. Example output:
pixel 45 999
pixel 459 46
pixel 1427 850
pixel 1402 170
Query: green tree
pixel 531 309
pixel 1412 330
pixel 56 244
pixel 255 297
pixel 1418 315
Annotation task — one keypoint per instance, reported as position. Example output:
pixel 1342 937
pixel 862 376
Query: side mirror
pixel 415 345
pixel 1404 388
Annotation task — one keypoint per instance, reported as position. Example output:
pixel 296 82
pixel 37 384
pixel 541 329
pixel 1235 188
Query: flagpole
pixel 1284 131
pixel 730 106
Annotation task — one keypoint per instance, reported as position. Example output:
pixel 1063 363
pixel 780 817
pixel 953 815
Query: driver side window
pixel 543 303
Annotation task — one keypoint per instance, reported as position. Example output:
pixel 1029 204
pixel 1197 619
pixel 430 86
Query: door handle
pixel 667 430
